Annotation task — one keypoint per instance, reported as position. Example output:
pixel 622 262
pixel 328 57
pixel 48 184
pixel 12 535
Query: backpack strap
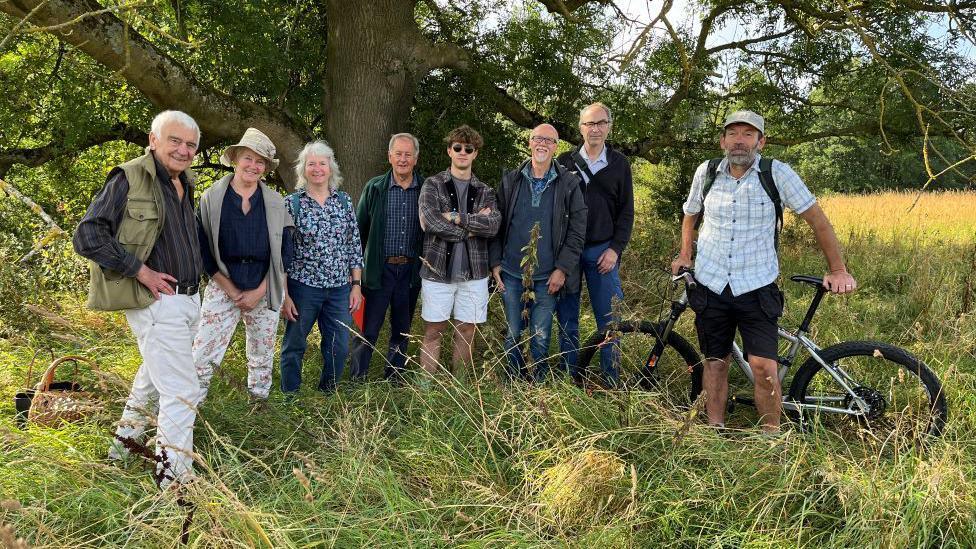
pixel 296 206
pixel 769 185
pixel 346 200
pixel 710 174
pixel 583 167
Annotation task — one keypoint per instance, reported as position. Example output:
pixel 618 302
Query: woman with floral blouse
pixel 324 279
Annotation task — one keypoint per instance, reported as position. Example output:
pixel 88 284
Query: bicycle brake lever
pixel 688 275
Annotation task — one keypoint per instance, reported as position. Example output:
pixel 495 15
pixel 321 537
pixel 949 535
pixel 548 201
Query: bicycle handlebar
pixel 688 275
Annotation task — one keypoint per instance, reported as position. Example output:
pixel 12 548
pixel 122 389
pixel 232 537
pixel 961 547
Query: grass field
pixel 934 217
pixel 470 463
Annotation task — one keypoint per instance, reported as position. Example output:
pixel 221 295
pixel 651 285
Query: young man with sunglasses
pixel 609 192
pixel 459 216
pixel 539 193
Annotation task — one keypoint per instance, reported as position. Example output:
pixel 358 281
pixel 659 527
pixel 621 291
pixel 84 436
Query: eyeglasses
pixel 468 149
pixel 543 139
pixel 596 124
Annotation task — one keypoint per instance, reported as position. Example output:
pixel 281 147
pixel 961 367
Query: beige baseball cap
pixel 255 140
pixel 746 117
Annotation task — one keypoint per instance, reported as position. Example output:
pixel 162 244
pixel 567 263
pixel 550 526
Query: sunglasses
pixel 468 149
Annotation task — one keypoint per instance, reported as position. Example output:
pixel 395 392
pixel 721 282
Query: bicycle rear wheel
pixel 905 399
pixel 676 373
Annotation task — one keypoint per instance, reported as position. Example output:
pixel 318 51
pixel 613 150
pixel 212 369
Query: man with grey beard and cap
pixel 737 203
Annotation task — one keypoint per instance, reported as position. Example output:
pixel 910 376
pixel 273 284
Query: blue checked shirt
pixel 402 219
pixel 736 245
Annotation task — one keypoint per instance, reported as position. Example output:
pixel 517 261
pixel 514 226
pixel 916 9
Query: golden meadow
pixel 948 216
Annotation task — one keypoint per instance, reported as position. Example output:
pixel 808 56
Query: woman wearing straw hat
pixel 324 279
pixel 246 242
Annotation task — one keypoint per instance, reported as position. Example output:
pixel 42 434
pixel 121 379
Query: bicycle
pixel 879 386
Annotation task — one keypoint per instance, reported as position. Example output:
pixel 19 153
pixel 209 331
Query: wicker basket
pixel 53 401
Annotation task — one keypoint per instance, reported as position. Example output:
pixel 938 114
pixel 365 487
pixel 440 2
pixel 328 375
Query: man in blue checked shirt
pixel 389 225
pixel 737 264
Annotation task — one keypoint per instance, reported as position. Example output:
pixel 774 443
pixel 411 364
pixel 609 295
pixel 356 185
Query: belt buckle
pixel 187 289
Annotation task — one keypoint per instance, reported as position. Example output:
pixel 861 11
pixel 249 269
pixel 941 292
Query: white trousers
pixel 218 320
pixel 166 384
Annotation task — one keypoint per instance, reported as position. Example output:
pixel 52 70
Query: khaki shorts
pixel 467 300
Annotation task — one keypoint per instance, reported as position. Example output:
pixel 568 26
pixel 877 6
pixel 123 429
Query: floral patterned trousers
pixel 218 320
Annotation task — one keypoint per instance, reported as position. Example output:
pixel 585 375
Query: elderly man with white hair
pixel 140 234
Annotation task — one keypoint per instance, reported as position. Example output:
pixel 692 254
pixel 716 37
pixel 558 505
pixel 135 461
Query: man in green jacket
pixel 389 226
pixel 140 235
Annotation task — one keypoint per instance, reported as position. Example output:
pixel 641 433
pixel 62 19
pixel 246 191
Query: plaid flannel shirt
pixel 440 234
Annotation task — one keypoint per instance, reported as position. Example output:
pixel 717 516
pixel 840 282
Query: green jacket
pixel 371 217
pixel 138 232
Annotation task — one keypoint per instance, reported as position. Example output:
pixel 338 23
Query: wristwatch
pixel 357 282
pixel 455 217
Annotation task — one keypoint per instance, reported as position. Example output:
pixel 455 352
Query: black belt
pixel 186 289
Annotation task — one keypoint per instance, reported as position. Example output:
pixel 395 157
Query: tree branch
pixel 565 8
pixel 33 157
pixel 54 230
pixel 522 116
pixel 162 79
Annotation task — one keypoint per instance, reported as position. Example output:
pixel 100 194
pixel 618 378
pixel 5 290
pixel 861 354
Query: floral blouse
pixel 327 243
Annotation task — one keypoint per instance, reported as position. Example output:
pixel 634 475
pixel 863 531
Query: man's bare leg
pixel 464 346
pixel 769 392
pixel 715 381
pixel 430 347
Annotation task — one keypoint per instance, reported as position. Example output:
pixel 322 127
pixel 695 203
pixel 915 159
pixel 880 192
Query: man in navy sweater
pixel 609 192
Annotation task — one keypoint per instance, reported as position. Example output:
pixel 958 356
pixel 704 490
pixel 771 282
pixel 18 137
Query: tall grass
pixel 478 464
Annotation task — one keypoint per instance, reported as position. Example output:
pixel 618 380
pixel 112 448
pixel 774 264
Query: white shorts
pixel 468 300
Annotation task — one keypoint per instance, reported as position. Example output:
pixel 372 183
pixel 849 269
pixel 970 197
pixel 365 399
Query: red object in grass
pixel 357 316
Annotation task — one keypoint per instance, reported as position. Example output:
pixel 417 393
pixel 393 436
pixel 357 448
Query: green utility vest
pixel 141 226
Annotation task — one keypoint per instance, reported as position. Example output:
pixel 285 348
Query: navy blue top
pixel 243 241
pixel 530 208
pixel 402 219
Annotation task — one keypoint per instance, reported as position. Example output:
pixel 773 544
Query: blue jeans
pixel 602 288
pixel 330 308
pixel 395 294
pixel 539 322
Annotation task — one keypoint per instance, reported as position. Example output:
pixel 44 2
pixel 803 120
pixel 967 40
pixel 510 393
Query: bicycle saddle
pixel 815 281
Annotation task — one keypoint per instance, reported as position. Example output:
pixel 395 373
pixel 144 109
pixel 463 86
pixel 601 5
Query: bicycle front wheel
pixel 676 373
pixel 903 396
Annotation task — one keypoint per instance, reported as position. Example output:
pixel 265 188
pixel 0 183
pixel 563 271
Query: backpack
pixel 768 185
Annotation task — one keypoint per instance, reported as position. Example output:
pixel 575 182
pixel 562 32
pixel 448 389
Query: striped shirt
pixel 177 252
pixel 736 245
pixel 402 219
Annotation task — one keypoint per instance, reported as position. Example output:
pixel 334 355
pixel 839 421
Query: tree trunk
pixel 372 71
